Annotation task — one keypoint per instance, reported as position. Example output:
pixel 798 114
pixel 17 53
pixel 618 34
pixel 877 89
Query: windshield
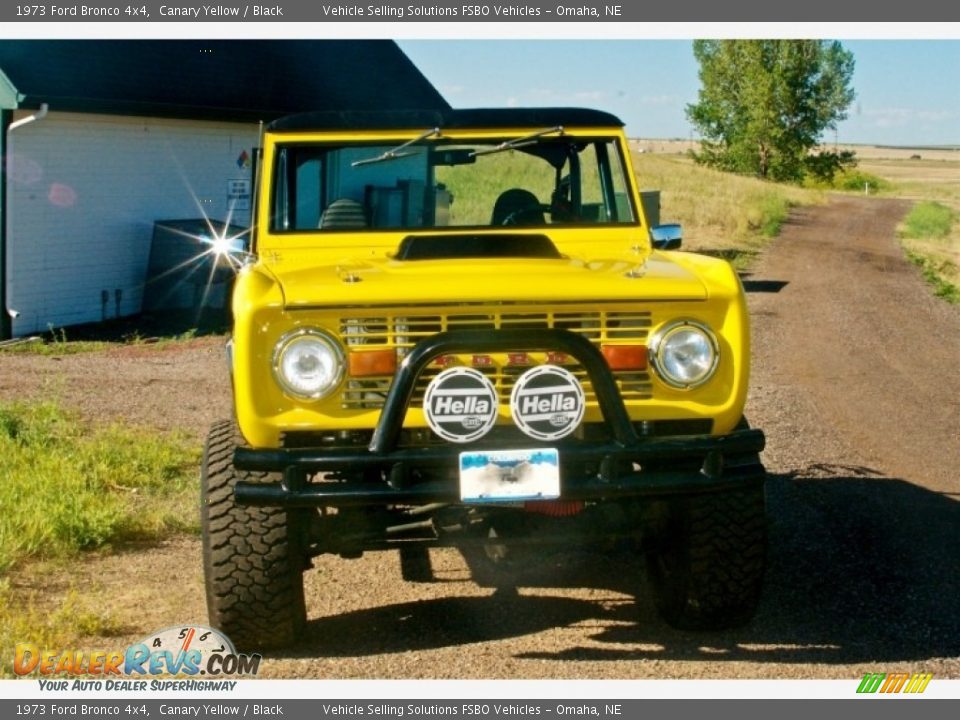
pixel 435 183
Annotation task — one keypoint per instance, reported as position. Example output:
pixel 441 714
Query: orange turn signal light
pixel 372 362
pixel 625 357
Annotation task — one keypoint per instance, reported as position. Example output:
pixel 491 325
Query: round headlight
pixel 684 354
pixel 308 364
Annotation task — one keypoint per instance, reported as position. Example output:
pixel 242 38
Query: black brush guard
pixel 628 465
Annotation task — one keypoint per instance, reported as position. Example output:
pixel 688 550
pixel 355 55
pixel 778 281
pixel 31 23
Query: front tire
pixel 253 558
pixel 707 566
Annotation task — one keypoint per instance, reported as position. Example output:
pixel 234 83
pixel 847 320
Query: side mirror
pixel 666 237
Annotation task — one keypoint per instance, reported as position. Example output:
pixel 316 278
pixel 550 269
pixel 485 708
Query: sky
pixel 908 91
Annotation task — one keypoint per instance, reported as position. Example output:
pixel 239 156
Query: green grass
pixel 930 233
pixel 726 215
pixel 475 188
pixel 859 181
pixel 68 488
pixel 147 330
pixel 54 344
pixel 937 273
pixel 853 180
pixel 772 210
pixel 928 220
pixel 25 616
pixel 931 239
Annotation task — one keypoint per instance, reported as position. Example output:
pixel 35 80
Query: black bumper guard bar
pixel 613 479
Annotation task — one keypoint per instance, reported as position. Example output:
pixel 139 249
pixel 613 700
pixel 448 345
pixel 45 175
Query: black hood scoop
pixel 495 245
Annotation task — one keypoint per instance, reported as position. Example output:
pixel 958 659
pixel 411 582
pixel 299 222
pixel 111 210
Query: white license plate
pixel 509 475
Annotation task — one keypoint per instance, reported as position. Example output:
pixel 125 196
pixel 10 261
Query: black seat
pixel 343 214
pixel 517 206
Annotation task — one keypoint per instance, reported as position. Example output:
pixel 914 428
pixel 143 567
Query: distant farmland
pixel 872 152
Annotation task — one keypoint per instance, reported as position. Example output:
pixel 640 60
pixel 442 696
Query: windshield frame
pixel 607 168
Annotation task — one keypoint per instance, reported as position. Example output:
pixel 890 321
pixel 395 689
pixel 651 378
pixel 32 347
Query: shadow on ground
pixel 862 568
pixel 205 321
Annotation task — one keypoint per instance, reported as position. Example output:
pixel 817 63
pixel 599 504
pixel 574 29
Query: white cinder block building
pixel 83 192
pixel 101 139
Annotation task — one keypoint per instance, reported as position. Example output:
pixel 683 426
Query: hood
pixel 391 282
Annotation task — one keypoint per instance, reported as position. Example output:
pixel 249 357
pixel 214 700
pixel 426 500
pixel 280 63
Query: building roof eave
pixel 9 96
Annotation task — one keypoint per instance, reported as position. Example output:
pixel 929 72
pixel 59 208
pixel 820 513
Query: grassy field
pixel 23 618
pixel 68 487
pixel 919 179
pixel 676 146
pixel 722 214
pixel 931 232
pixel 931 237
pixel 929 176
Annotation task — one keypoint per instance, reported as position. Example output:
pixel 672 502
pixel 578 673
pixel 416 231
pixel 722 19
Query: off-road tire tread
pixel 252 557
pixel 709 574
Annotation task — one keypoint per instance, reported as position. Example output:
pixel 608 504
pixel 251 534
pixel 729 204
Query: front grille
pixel 402 332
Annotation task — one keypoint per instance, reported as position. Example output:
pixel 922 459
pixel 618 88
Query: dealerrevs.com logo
pixel 191 650
pixel 894 683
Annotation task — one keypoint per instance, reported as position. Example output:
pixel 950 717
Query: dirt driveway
pixel 855 383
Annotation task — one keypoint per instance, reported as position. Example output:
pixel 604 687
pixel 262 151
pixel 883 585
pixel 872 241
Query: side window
pixel 298 188
pixel 593 208
pixel 621 209
pixel 280 217
pixel 604 194
pixel 309 191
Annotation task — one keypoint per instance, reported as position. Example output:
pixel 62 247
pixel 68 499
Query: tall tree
pixel 764 105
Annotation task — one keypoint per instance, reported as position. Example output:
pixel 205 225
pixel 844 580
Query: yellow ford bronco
pixel 458 328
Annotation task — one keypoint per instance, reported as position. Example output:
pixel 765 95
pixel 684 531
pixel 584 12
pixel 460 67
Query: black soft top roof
pixel 447 119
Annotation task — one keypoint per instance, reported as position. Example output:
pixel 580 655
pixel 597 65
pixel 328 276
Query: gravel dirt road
pixel 856 385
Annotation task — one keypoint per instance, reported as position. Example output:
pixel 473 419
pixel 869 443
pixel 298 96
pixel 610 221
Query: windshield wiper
pixel 519 142
pixel 397 152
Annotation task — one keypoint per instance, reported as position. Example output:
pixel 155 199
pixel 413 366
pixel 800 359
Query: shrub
pixel 928 220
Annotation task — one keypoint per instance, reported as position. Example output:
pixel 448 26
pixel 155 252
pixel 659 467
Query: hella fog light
pixel 684 354
pixel 308 364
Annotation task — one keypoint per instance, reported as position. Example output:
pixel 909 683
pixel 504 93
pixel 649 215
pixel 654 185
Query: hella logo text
pixel 557 402
pixel 458 405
